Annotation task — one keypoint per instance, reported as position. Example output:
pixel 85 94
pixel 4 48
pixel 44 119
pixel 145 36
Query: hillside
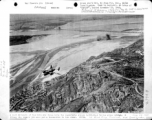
pixel 110 82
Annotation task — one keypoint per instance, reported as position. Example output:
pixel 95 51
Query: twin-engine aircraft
pixel 51 71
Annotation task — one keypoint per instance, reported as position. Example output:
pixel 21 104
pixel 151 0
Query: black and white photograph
pixel 76 63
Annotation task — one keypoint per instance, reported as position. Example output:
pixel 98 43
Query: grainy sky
pixel 61 17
